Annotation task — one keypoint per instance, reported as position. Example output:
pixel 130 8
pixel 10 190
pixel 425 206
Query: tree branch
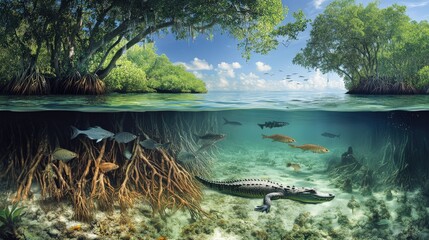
pixel 104 72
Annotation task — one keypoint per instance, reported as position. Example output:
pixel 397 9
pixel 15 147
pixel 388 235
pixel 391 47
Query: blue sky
pixel 219 63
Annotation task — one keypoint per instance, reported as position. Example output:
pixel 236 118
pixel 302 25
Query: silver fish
pixel 152 144
pixel 127 154
pixel 63 154
pixel 93 133
pixel 211 136
pixel 185 156
pixel 124 137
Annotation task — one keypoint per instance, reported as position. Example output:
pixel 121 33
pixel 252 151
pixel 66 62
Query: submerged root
pixel 153 176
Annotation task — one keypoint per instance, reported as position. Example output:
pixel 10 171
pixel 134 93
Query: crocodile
pixel 257 188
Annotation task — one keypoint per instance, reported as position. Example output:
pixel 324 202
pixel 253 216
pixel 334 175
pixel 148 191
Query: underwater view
pixel 218 173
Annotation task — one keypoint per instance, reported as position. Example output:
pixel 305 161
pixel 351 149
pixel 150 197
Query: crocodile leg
pixel 267 201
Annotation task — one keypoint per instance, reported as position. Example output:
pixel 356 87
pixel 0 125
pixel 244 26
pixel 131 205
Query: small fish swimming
pixel 93 133
pixel 185 156
pixel 330 135
pixel 124 137
pixel 108 166
pixel 127 154
pixel 279 138
pixel 231 122
pixel 296 167
pixel 272 124
pixel 152 144
pixel 311 147
pixel 211 136
pixel 63 155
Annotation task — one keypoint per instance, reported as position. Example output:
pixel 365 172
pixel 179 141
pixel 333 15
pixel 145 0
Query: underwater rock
pixel 54 232
pixel 347 157
pixel 352 204
pixel 343 220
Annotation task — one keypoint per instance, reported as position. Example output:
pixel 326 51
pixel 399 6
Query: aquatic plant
pixel 9 218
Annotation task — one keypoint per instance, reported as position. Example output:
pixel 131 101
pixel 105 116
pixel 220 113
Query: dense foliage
pixel 375 50
pixel 142 70
pixel 62 38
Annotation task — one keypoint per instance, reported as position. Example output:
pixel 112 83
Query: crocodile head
pixel 308 195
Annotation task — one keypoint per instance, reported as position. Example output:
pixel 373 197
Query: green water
pixel 388 135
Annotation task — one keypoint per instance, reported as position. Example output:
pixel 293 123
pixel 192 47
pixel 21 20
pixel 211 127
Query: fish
pixel 108 166
pixel 185 156
pixel 124 137
pixel 272 124
pixel 127 154
pixel 211 136
pixel 330 135
pixel 63 155
pixel 311 147
pixel 280 138
pixel 231 122
pixel 296 167
pixel 152 144
pixel 93 133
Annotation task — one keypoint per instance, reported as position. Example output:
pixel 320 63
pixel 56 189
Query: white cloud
pixel 416 4
pixel 318 3
pixel 317 82
pixel 262 67
pixel 197 65
pixel 226 69
pixel 251 81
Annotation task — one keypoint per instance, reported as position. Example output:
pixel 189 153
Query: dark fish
pixel 330 135
pixel 124 137
pixel 272 124
pixel 231 122
pixel 152 144
pixel 93 133
pixel 211 136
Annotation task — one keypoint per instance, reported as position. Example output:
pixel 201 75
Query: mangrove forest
pixel 377 51
pixel 71 47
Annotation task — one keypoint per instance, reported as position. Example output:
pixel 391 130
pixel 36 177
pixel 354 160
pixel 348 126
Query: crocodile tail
pixel 264 136
pixel 206 182
pixel 261 125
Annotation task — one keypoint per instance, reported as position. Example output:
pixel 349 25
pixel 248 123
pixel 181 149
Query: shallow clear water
pixel 386 174
pixel 216 101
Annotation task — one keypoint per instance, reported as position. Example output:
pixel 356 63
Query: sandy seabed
pixel 405 216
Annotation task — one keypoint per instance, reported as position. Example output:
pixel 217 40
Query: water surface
pixel 216 101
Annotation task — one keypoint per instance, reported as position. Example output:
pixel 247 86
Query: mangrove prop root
pixel 153 176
